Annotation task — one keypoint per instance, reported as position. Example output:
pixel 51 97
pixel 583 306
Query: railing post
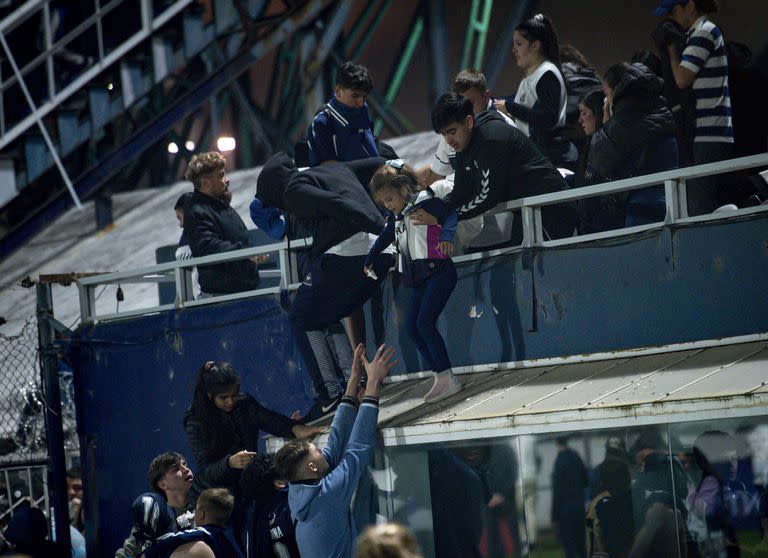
pixel 48 42
pixel 538 227
pixel 185 290
pixel 672 202
pixel 529 226
pixel 682 197
pixel 283 256
pixel 146 15
pixel 87 303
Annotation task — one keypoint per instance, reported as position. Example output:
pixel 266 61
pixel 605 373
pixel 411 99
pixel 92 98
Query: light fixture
pixel 190 145
pixel 110 86
pixel 173 148
pixel 225 143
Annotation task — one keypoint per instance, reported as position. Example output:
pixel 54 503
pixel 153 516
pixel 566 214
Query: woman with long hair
pixel 539 106
pixel 223 427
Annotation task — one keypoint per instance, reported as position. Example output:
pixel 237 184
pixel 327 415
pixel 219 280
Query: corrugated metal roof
pixel 726 380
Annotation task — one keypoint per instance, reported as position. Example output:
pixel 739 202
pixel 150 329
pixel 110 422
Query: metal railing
pixel 180 272
pixel 21 484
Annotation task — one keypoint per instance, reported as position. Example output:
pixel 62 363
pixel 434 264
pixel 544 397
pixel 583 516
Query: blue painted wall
pixel 134 377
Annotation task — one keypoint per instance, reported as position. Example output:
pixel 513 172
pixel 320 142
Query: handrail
pixel 675 193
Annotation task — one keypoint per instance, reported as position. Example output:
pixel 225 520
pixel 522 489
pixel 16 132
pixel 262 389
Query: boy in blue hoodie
pixel 322 482
pixel 341 131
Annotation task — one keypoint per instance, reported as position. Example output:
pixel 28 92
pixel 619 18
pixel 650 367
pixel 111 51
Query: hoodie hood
pixel 638 83
pixel 277 173
pixel 301 497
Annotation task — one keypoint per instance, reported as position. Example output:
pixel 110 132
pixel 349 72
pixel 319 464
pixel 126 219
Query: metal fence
pixel 22 400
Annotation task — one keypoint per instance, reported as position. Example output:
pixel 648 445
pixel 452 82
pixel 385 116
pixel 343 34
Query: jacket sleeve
pixel 309 202
pixel 269 219
pixel 213 470
pixel 448 219
pixel 321 143
pixel 386 238
pixel 492 188
pixel 606 149
pixel 270 421
pixel 342 480
pixel 341 428
pixel 545 112
pixel 204 236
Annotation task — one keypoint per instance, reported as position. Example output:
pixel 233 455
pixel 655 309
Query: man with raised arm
pixel 322 482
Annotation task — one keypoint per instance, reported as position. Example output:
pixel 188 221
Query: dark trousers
pixel 335 286
pixel 704 192
pixel 427 302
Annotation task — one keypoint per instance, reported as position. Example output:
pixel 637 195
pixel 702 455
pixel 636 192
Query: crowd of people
pixel 368 212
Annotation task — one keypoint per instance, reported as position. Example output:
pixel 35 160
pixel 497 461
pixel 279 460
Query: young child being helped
pixel 424 260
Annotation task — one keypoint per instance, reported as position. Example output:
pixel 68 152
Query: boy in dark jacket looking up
pixel 212 227
pixel 496 163
pixel 322 482
pixel 341 131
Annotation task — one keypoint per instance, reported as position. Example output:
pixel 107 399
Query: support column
pixel 49 367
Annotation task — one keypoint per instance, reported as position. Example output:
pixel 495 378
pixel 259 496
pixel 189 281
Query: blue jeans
pixel 426 304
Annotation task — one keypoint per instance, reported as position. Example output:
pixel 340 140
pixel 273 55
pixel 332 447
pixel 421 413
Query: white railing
pixel 180 272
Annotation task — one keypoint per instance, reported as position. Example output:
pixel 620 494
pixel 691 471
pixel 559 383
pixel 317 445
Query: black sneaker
pixel 321 409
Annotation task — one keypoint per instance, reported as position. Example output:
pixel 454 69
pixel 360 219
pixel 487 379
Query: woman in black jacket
pixel 223 426
pixel 637 138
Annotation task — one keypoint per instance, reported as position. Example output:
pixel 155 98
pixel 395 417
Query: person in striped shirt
pixel 703 67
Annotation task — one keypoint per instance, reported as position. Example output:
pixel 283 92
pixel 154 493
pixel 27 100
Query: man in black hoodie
pixel 333 202
pixel 495 163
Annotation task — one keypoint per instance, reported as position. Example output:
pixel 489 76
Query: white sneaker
pixel 445 385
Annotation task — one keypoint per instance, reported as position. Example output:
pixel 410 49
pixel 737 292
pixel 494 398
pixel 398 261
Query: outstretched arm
pixel 358 452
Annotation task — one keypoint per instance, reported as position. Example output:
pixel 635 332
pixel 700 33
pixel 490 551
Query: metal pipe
pixel 57 478
pixel 43 130
pixel 438 47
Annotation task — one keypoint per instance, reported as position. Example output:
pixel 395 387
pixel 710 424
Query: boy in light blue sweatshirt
pixel 322 482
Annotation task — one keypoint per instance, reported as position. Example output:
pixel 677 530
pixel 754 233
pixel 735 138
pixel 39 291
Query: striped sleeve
pixel 700 47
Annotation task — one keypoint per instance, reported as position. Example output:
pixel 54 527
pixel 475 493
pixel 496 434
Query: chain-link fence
pixel 22 402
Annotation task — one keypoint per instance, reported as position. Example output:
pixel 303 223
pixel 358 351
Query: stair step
pixel 7 180
pixel 98 103
pixel 68 126
pixel 36 155
pixel 135 81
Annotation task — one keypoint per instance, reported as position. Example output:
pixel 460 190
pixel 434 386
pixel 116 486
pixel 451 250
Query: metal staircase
pixel 73 116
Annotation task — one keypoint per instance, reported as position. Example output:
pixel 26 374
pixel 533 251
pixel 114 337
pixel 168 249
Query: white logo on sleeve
pixel 485 186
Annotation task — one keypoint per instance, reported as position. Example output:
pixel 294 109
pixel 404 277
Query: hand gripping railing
pixel 180 272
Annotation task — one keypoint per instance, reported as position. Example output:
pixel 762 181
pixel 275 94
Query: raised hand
pixel 378 368
pixel 356 373
pixel 241 459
